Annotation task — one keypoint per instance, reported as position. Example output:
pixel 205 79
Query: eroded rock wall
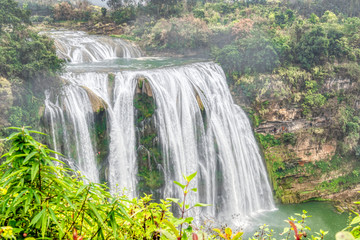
pixel 305 153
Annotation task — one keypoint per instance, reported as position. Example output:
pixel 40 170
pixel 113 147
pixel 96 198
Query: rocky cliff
pixel 310 152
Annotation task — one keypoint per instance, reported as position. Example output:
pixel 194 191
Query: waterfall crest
pixel 79 47
pixel 199 128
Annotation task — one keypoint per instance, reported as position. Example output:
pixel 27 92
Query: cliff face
pixel 308 156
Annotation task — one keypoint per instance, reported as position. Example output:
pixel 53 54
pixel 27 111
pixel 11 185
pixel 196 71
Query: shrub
pixel 40 198
pixel 254 54
pixel 27 55
pixel 289 138
pixel 267 141
pixel 123 15
pixel 180 33
pixel 43 199
pixel 242 28
pixel 63 11
pixel 312 49
pixel 229 58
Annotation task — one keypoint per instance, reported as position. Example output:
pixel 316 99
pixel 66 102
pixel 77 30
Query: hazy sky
pixel 99 2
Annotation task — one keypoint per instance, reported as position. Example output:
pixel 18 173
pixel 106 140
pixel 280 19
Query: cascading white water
pixel 122 156
pixel 79 116
pixel 53 112
pixel 199 126
pixel 74 105
pixel 79 47
pixel 221 146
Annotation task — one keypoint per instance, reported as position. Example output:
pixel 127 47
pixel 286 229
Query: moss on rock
pixel 150 175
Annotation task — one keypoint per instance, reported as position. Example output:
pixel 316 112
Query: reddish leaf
pixel 195 236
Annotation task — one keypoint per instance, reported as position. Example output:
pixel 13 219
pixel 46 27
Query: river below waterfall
pixel 323 216
pixel 198 128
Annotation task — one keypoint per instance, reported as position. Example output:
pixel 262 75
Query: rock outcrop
pixel 302 151
pixel 97 103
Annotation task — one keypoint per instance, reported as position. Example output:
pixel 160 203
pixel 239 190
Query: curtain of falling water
pixel 199 126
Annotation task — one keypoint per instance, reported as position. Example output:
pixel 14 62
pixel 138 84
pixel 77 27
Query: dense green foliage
pixel 27 55
pixel 23 53
pixel 12 17
pixel 42 199
pixel 28 60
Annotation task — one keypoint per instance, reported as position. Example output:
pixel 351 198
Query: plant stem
pixel 104 220
pixel 81 209
pixel 183 208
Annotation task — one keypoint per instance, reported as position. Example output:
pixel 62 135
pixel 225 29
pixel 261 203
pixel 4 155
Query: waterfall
pixel 199 128
pixel 79 47
pixel 79 118
pixel 221 145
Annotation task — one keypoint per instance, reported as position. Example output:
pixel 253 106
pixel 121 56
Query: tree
pixel 312 49
pixel 258 54
pixel 28 56
pixel 229 58
pixel 337 46
pixel 11 16
pixel 63 11
pixel 103 11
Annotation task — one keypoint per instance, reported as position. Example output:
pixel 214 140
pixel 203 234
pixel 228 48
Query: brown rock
pixel 97 103
pixel 143 86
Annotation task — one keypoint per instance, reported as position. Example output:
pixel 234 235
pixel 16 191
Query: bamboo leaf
pixel 70 203
pixel 28 201
pixel 32 131
pixel 51 151
pixel 355 220
pixel 18 198
pixel 191 176
pixel 34 170
pixel 172 227
pixel 180 185
pixel 44 223
pixel 175 200
pixel 95 211
pixel 13 135
pixel 168 235
pixel 80 189
pixel 238 235
pixel 37 198
pixel 202 205
pixel 28 157
pixel 37 217
pixel 53 217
